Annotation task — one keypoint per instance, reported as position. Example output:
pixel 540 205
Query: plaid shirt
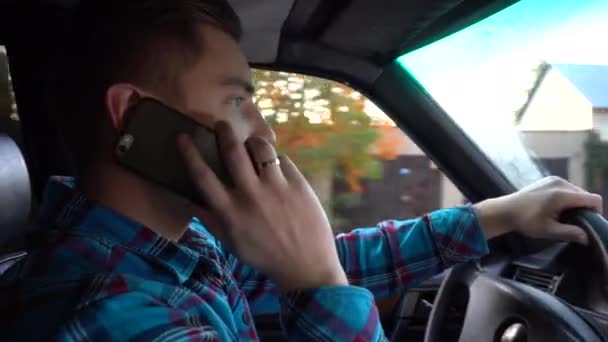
pixel 101 276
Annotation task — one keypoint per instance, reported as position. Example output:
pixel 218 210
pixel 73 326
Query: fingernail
pixel 583 239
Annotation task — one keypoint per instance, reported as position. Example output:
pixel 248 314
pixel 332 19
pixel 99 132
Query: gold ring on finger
pixel 274 161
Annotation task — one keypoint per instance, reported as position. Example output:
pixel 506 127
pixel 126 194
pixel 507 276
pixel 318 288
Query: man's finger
pixel 204 178
pixel 290 170
pixel 265 160
pixel 235 156
pixel 568 232
pixel 573 199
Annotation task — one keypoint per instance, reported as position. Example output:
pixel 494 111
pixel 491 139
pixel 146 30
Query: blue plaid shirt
pixel 98 275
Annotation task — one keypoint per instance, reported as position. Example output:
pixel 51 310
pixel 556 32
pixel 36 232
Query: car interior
pixel 546 290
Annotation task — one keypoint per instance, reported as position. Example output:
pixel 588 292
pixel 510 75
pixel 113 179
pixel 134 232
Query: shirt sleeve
pixel 333 313
pixel 400 254
pixel 394 255
pixel 261 293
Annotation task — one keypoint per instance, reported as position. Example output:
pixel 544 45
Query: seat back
pixel 15 191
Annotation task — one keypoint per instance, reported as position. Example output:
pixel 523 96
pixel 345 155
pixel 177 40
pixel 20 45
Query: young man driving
pixel 123 258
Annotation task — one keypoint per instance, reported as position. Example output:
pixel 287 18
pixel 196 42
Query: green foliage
pixel 323 128
pixel 320 124
pixel 347 199
pixel 597 162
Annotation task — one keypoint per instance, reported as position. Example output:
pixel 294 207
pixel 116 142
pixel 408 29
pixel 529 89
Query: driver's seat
pixel 15 201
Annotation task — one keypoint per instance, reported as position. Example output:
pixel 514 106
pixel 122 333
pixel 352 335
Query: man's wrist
pixel 493 218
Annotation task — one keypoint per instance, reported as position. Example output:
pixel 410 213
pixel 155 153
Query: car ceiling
pixel 376 29
pixel 379 30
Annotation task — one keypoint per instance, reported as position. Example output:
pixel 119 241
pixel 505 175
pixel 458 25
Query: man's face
pixel 219 87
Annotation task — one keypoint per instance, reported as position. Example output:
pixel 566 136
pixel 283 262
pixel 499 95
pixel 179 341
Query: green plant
pixel 597 163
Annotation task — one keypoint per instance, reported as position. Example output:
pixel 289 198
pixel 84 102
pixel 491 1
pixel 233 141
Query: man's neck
pixel 124 192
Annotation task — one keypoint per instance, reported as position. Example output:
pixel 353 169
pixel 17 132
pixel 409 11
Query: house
pixel 567 104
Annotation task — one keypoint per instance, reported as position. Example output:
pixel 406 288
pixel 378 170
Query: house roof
pixel 590 80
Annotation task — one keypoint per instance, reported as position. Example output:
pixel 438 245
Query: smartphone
pixel 148 146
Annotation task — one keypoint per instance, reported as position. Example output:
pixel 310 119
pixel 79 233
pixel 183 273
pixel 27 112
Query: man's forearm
pixel 399 254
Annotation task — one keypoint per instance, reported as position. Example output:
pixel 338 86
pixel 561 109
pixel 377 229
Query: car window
pixel 363 168
pixel 530 86
pixel 9 120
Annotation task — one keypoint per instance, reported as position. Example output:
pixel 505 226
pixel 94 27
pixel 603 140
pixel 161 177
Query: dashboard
pixel 569 272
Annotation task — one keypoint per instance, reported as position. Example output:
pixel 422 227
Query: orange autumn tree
pixel 323 127
pixel 387 146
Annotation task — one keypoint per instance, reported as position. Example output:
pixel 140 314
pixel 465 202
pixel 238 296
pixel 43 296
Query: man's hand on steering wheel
pixel 500 308
pixel 535 210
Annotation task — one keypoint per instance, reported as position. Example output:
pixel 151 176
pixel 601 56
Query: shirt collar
pixel 66 208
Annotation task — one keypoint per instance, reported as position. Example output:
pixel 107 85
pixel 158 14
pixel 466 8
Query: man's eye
pixel 237 101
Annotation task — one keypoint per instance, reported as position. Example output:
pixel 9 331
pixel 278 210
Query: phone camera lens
pixel 124 144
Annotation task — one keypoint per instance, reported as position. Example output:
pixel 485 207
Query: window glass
pixel 363 168
pixel 530 86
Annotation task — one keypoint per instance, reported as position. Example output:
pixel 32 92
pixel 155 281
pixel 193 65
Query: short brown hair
pixel 145 42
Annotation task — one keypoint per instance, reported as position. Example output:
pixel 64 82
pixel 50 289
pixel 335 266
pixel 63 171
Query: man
pixel 124 260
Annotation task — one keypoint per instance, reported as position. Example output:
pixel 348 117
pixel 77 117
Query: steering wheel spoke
pixel 482 308
pixel 500 309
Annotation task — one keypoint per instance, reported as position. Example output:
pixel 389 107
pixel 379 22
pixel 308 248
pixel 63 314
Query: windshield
pixel 530 86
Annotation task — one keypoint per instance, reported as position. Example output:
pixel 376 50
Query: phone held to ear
pixel 148 146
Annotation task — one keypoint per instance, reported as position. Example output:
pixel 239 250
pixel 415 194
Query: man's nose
pixel 266 133
pixel 263 129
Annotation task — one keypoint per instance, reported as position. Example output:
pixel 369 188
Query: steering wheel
pixel 501 309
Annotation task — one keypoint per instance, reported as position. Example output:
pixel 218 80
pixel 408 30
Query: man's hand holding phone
pixel 271 219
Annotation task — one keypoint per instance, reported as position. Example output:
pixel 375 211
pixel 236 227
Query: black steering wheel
pixel 501 309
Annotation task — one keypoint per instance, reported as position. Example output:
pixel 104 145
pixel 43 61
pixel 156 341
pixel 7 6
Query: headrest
pixel 15 191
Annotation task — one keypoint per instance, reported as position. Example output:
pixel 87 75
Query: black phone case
pixel 148 146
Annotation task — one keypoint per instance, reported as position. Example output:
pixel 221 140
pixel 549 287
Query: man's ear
pixel 119 99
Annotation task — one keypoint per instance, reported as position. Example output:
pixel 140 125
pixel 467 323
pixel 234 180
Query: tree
pixel 323 127
pixel 597 163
